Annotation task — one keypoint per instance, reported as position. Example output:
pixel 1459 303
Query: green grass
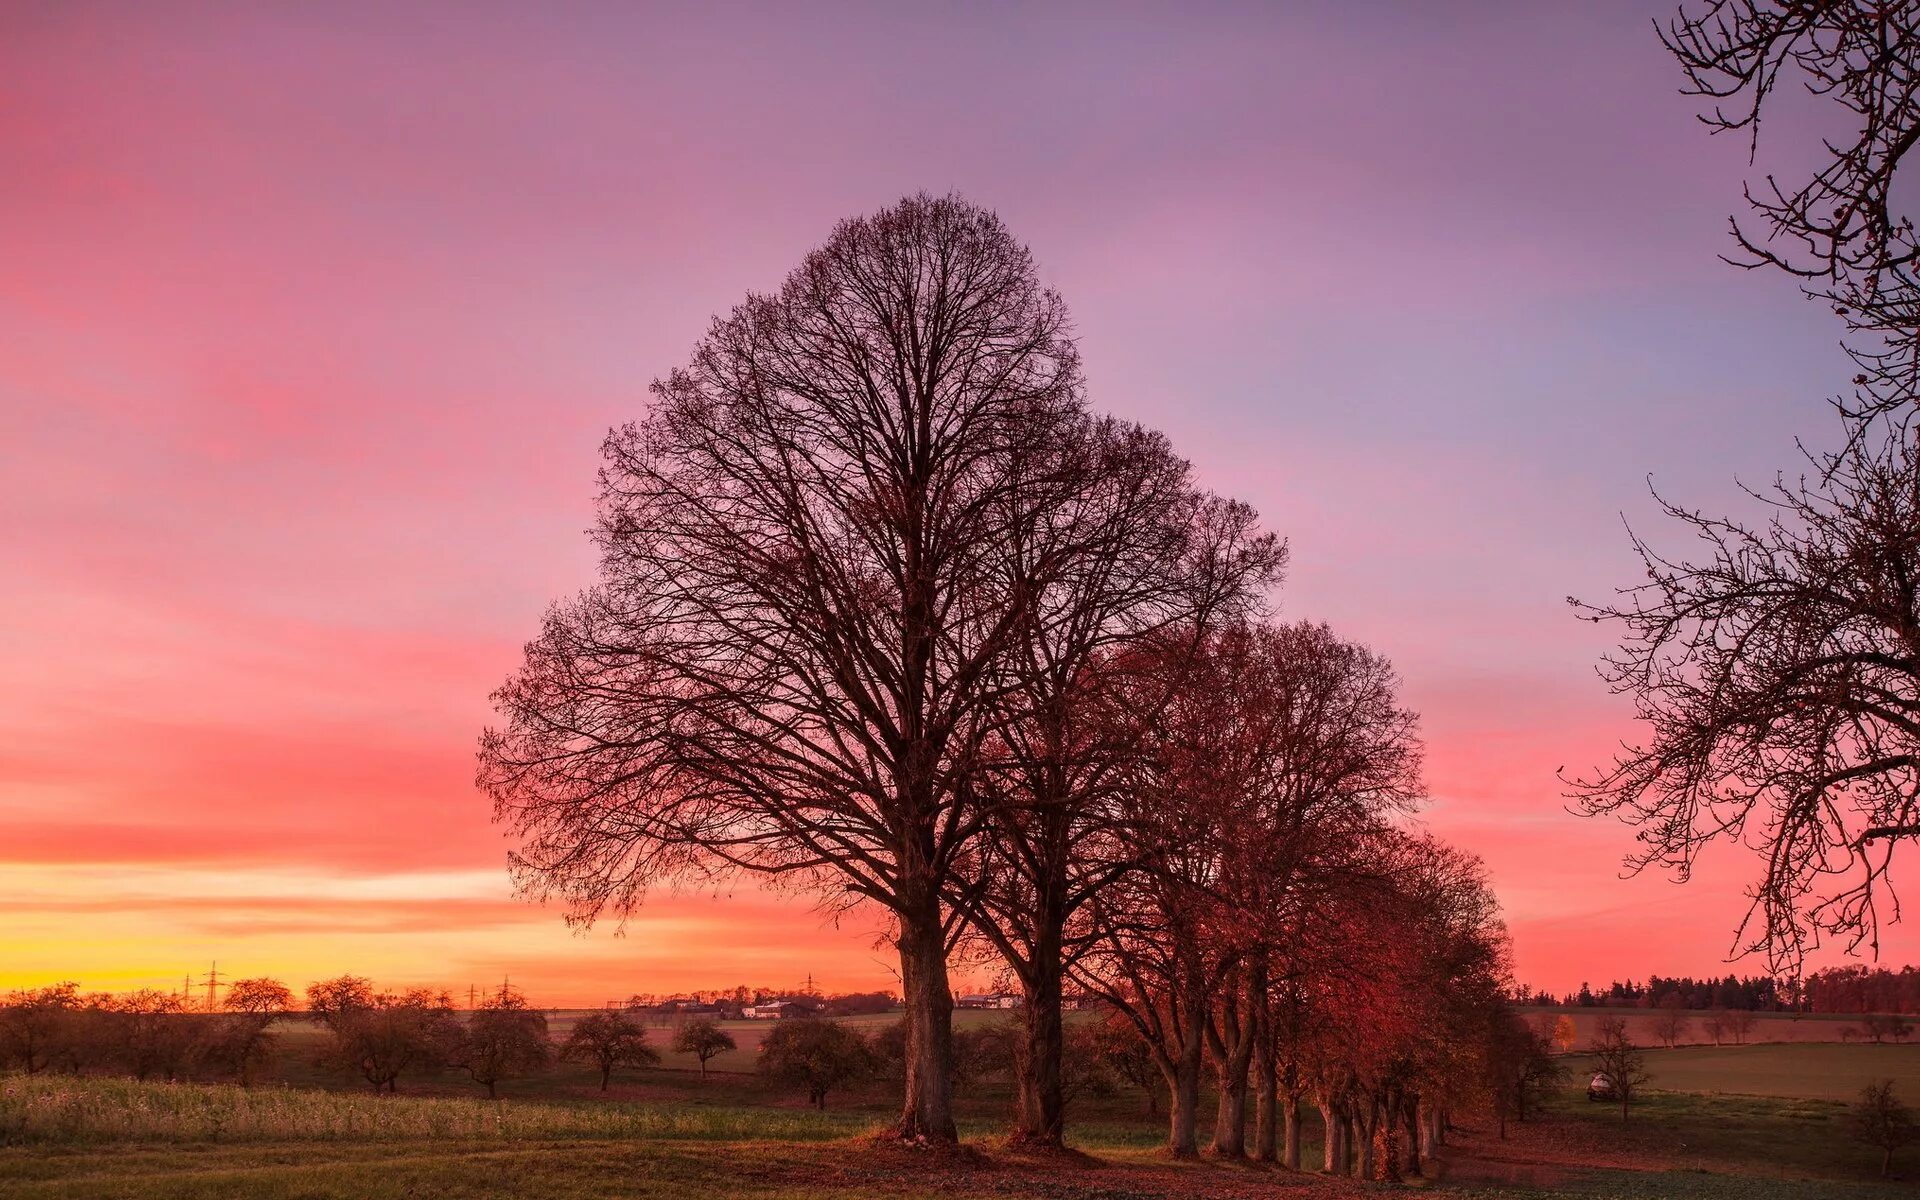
pixel 59 1109
pixel 665 1133
pixel 1809 1070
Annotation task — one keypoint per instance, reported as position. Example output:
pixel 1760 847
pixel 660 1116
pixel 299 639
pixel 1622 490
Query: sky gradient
pixel 312 319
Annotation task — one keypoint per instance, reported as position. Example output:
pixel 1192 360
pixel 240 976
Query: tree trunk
pixel 1230 1112
pixel 1410 1117
pixel 1266 1095
pixel 1041 1112
pixel 1333 1140
pixel 1183 1071
pixel 927 1109
pixel 1362 1139
pixel 1290 1139
pixel 1183 1106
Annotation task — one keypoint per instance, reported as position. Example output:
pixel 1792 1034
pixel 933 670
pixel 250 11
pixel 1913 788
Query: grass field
pixel 1805 1070
pixel 1760 1122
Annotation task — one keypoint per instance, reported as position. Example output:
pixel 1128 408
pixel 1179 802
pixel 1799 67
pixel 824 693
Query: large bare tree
pixel 819 550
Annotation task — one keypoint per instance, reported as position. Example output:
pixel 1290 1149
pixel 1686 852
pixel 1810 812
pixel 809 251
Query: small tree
pixel 1620 1061
pixel 1521 1068
pixel 380 1035
pixel 242 1041
pixel 33 1024
pixel 503 1039
pixel 609 1041
pixel 704 1039
pixel 1740 1024
pixel 1670 1024
pixel 148 1034
pixel 1715 1023
pixel 1879 1118
pixel 815 1054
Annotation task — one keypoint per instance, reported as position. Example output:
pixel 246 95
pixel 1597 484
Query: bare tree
pixel 609 1041
pixel 382 1035
pixel 806 604
pixel 1882 1120
pixel 1620 1061
pixel 704 1039
pixel 1840 229
pixel 1739 1024
pixel 33 1024
pixel 1715 1023
pixel 1671 1022
pixel 1779 675
pixel 502 1039
pixel 242 1038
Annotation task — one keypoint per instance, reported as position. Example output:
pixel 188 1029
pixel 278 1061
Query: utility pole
pixel 213 981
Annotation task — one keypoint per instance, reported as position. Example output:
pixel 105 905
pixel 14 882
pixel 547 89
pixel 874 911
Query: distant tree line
pixel 1855 988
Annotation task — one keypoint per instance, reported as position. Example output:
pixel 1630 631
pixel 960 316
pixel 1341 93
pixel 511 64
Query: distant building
pixel 775 1011
pixel 990 1000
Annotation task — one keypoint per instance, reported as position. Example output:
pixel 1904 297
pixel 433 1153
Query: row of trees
pixel 147 1034
pixel 1855 988
pixel 886 612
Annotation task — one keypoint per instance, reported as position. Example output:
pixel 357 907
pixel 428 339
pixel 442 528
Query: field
pixel 1757 1121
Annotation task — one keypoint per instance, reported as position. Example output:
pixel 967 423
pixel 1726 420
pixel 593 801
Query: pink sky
pixel 311 321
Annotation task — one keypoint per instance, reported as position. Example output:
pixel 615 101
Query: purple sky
pixel 313 317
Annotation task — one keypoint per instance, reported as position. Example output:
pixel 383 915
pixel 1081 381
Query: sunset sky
pixel 312 318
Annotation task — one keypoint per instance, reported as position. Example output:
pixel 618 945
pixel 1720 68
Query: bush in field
pixel 816 1054
pixel 35 1025
pixel 502 1039
pixel 1880 1119
pixel 381 1035
pixel 609 1041
pixel 704 1039
pixel 1878 1027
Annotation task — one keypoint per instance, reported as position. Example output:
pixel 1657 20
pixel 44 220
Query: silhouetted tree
pixel 1620 1061
pixel 609 1041
pixel 34 1022
pixel 809 596
pixel 241 1038
pixel 1522 1070
pixel 1880 1119
pixel 816 1054
pixel 502 1039
pixel 704 1039
pixel 381 1035
pixel 1671 1022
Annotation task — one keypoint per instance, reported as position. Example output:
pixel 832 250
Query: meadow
pixel 1759 1121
